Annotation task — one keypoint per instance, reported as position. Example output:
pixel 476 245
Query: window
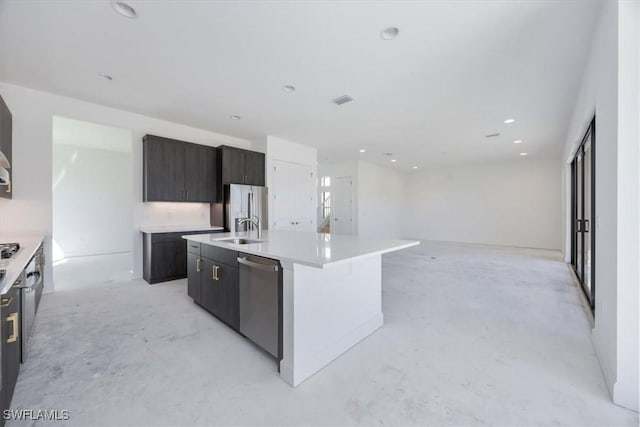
pixel 325 181
pixel 326 204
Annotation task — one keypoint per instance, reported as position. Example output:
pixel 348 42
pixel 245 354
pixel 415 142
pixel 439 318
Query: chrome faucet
pixel 255 221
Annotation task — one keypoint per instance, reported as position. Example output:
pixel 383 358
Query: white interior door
pixel 283 189
pixel 292 196
pixel 305 199
pixel 341 206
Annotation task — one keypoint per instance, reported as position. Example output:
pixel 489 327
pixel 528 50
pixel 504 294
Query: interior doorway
pixel 583 214
pixel 92 204
pixel 342 217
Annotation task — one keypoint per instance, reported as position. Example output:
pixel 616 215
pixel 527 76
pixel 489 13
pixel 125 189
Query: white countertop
pixel 152 229
pixel 29 243
pixel 312 249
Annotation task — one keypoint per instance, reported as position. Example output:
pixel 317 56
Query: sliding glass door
pixel 583 213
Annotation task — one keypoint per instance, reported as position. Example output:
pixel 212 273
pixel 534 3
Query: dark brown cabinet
pixel 238 166
pixel 200 173
pixel 177 171
pixel 10 307
pixel 231 165
pixel 194 267
pixel 254 168
pixel 163 165
pixel 213 283
pixel 165 256
pixel 225 278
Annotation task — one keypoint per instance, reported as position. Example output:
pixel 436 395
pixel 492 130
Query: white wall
pixel 626 390
pixel 92 200
pixel 514 203
pixel 278 149
pixel 381 200
pixel 609 89
pixel 33 111
pixel 378 197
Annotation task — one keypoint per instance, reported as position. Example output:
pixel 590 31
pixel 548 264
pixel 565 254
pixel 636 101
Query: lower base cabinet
pixel 213 283
pixel 164 256
pixel 194 267
pixel 10 306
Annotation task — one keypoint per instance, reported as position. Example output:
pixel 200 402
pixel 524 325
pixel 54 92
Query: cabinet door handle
pixel 17 284
pixel 5 302
pixel 214 272
pixel 8 190
pixel 13 317
pixel 198 261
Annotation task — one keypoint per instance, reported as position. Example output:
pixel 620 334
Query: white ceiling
pixel 455 72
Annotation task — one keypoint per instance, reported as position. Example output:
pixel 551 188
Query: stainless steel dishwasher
pixel 260 302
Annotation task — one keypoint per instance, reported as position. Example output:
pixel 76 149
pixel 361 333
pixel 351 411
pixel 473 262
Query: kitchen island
pixel 331 291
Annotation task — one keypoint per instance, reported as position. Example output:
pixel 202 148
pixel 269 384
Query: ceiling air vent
pixel 492 135
pixel 342 100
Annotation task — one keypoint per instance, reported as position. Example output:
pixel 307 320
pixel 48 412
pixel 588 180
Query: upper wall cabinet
pixel 237 166
pixel 5 148
pixel 177 171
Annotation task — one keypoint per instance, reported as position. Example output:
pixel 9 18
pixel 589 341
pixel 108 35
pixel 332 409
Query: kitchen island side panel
pixel 326 312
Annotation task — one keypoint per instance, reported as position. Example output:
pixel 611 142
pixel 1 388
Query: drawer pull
pixel 17 284
pixel 5 302
pixel 13 317
pixel 198 262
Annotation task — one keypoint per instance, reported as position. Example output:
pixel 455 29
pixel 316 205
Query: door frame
pixel 575 233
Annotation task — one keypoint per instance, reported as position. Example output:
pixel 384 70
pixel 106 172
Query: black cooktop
pixel 7 250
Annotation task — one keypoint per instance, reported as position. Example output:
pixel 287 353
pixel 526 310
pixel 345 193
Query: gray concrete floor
pixel 92 271
pixel 473 336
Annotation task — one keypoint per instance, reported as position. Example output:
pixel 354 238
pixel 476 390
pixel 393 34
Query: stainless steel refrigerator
pixel 244 201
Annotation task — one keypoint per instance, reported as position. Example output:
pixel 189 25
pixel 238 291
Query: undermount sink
pixel 239 241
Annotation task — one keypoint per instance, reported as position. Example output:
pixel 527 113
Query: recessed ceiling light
pixel 363 150
pixel 105 76
pixel 389 33
pixel 124 9
pixel 289 88
pixel 235 117
pixel 393 160
pixel 517 141
pixel 415 167
pixel 524 154
pixel 509 121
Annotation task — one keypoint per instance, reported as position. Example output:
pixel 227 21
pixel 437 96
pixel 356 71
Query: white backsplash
pixel 167 213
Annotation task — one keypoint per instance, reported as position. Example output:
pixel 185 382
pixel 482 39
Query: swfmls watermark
pixel 36 414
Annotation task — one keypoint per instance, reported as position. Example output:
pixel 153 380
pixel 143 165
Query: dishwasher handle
pixel 263 267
